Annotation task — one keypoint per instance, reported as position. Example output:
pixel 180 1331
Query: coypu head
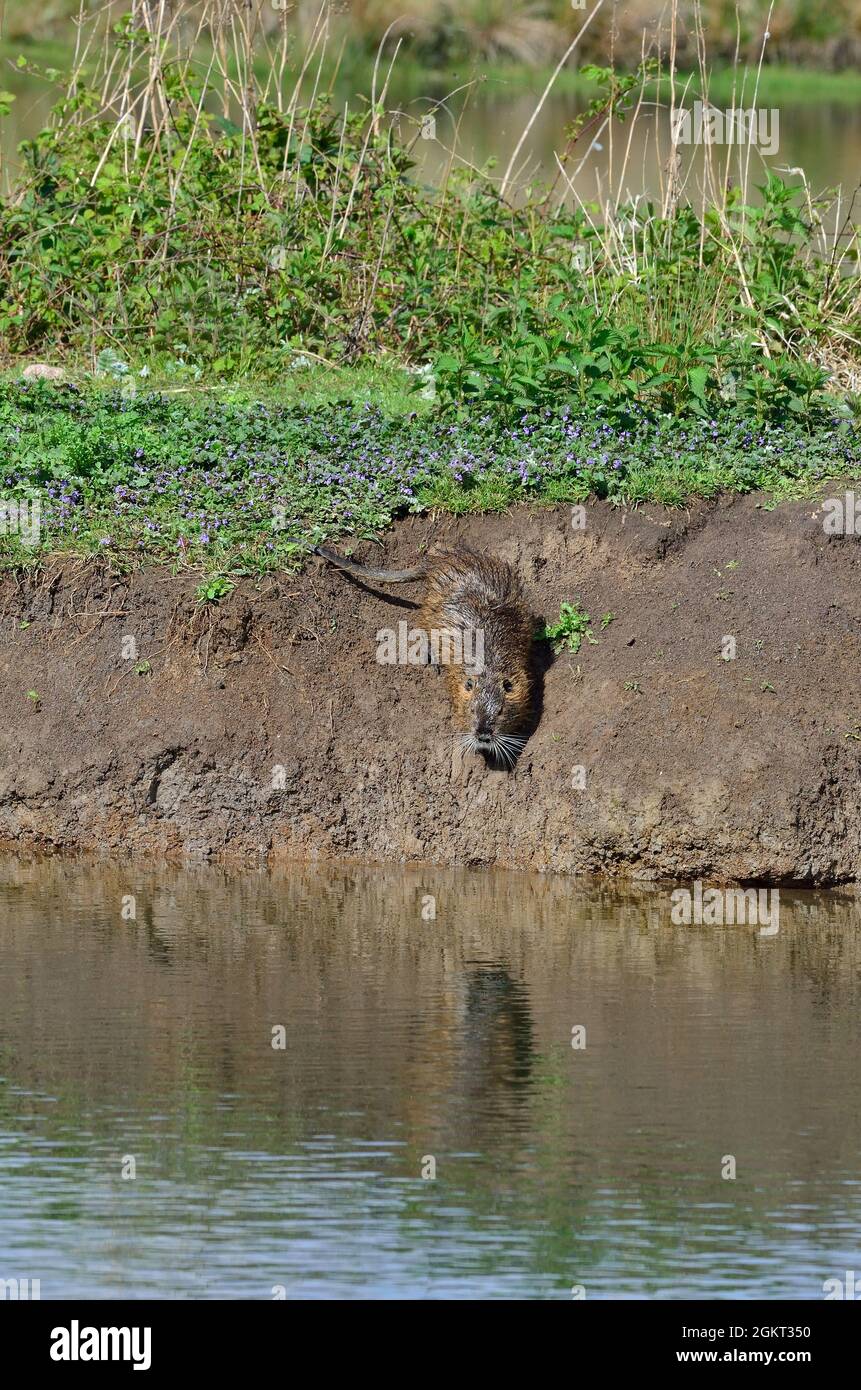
pixel 491 690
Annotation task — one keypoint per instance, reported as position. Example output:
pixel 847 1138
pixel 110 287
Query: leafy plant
pixel 215 589
pixel 569 630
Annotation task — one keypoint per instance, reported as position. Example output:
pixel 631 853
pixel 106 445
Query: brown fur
pixel 475 592
pixel 467 594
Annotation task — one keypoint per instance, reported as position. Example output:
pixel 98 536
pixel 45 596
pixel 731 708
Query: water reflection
pixel 407 1039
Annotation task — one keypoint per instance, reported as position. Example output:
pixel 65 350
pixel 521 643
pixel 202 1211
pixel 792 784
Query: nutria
pixel 469 596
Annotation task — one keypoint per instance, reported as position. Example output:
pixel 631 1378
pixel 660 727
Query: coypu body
pixel 473 611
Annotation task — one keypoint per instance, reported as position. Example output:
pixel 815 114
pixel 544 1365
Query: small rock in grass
pixel 40 371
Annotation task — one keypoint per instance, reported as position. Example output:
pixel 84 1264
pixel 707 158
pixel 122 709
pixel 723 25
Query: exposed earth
pixel 263 727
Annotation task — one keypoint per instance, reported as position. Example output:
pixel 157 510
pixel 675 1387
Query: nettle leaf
pixel 698 379
pixel 446 363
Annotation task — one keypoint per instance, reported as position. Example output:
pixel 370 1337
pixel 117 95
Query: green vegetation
pixel 273 328
pixel 222 483
pixel 567 633
pixel 212 590
pixel 225 251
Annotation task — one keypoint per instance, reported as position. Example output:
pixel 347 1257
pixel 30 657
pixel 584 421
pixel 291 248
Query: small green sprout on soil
pixel 35 697
pixel 607 619
pixel 143 668
pixel 634 686
pixel 568 632
pixel 212 590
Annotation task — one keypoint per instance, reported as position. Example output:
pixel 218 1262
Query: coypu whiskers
pixel 503 748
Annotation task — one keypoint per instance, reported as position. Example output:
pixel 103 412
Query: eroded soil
pixel 264 727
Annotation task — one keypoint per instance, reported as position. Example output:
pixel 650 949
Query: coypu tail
pixel 365 572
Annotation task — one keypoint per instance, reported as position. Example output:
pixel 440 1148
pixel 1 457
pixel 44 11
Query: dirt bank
pixel 693 765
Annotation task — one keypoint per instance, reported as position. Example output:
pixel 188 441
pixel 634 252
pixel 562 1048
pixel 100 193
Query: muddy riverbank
pixel 264 726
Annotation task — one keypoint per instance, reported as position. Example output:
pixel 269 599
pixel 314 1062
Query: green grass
pixel 278 331
pixel 302 383
pixel 783 85
pixel 222 248
pixel 778 84
pixel 412 77
pixel 224 484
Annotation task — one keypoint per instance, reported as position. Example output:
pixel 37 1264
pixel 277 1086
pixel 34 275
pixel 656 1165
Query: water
pixel 408 1040
pixel 821 137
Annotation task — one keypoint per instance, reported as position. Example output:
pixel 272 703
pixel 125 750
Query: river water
pixel 348 1082
pixel 822 137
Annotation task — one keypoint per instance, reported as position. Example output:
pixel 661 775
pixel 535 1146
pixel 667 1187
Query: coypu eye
pixel 468 684
pixel 506 685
